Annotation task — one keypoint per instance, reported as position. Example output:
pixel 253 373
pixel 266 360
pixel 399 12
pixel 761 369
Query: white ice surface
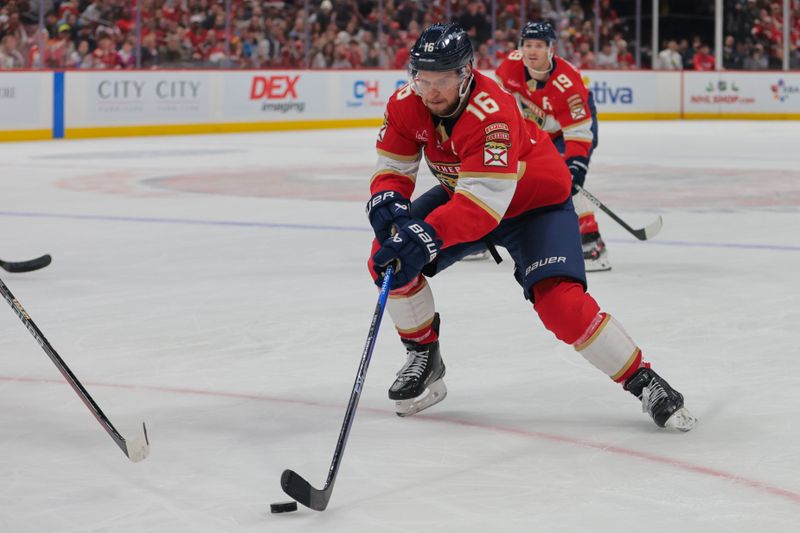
pixel 215 287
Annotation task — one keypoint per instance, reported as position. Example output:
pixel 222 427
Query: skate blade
pixel 477 256
pixel 596 265
pixel 681 420
pixel 435 393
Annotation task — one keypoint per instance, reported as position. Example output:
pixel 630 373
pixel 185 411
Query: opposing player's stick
pixel 293 484
pixel 26 266
pixel 647 232
pixel 135 450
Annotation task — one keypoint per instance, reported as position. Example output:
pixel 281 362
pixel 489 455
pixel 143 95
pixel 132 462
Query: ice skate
pixel 663 403
pixel 419 383
pixel 595 256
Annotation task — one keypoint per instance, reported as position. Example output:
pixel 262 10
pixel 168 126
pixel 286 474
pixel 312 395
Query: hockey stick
pixel 648 232
pixel 26 266
pixel 291 482
pixel 135 450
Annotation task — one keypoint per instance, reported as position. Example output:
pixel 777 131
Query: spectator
pixel 688 53
pixel 607 58
pixel 703 60
pixel 624 57
pixel 483 59
pixel 76 57
pixel 10 57
pixel 59 48
pixel 588 61
pixel 757 59
pixel 354 54
pixel 264 34
pixel 28 40
pixel 669 58
pixel 125 58
pixel 340 57
pixel 732 59
pixel 324 58
pixel 104 56
pixel 92 15
pixel 401 57
pixel 476 23
pixel 174 53
pixel 323 15
pixel 151 55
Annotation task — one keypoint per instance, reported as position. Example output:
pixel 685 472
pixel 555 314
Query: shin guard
pixel 412 310
pixel 608 347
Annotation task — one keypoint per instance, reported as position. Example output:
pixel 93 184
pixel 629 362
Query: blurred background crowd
pixel 348 34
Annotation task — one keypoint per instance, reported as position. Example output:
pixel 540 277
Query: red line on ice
pixel 794 497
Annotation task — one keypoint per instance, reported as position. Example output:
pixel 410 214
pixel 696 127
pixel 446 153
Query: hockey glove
pixel 387 209
pixel 412 247
pixel 578 166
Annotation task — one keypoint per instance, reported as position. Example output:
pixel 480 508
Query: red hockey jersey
pixel 492 165
pixel 559 105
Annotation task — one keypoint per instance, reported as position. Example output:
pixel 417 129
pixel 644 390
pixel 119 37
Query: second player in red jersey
pixel 553 97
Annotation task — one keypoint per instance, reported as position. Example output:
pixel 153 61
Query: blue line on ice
pixel 364 228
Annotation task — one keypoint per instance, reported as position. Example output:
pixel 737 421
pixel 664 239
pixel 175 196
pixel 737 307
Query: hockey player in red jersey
pixel 552 95
pixel 498 183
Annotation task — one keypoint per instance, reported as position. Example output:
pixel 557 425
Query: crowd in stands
pixel 753 40
pixel 345 34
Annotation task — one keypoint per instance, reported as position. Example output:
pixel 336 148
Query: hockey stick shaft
pixel 135 450
pixel 293 484
pixel 642 234
pixel 26 266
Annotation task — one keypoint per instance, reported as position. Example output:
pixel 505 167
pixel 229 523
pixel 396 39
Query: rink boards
pixel 81 104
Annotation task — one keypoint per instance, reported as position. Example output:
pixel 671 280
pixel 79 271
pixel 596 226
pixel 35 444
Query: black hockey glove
pixel 387 209
pixel 578 166
pixel 412 247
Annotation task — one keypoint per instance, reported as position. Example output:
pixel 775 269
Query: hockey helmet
pixel 441 47
pixel 542 31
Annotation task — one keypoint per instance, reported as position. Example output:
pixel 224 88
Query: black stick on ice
pixel 643 234
pixel 135 450
pixel 26 266
pixel 293 484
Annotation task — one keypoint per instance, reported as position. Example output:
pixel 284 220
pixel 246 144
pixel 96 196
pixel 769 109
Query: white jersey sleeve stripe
pixel 492 194
pixel 581 131
pixel 390 165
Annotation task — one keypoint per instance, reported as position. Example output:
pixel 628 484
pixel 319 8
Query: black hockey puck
pixel 283 507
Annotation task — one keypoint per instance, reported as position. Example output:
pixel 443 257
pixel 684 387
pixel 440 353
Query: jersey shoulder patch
pixel 516 55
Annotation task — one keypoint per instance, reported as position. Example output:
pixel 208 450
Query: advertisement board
pixel 273 95
pixel 26 104
pixel 365 93
pixel 37 105
pixel 119 98
pixel 633 94
pixel 741 94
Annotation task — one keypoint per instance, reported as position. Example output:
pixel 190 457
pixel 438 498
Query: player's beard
pixel 440 111
pixel 449 110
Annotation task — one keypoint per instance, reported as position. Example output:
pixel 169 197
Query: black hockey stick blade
pixel 301 490
pixel 26 266
pixel 643 234
pixel 293 484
